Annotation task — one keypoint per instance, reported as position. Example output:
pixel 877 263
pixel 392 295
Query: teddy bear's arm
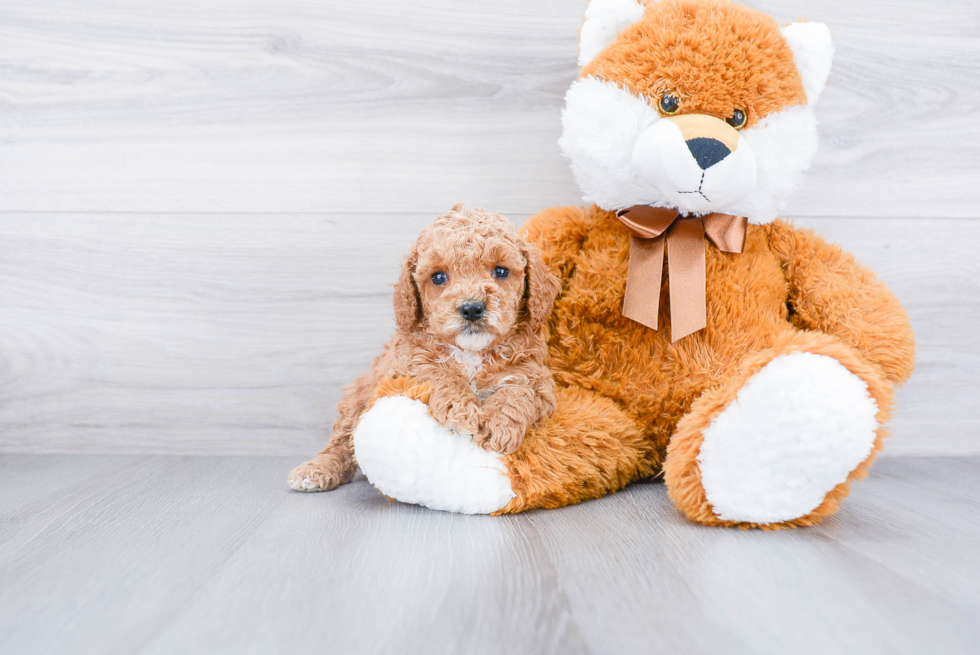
pixel 831 292
pixel 559 233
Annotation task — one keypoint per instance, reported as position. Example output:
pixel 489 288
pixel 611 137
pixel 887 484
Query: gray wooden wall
pixel 202 203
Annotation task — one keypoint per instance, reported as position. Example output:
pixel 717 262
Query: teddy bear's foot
pixel 777 446
pixel 412 458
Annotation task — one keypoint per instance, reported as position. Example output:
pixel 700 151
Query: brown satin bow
pixel 655 229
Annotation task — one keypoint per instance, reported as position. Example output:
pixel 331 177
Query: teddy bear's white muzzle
pixel 696 175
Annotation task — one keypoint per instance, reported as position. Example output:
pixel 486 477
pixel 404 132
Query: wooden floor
pixel 157 554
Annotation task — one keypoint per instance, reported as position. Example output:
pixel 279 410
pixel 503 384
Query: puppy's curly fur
pixel 486 377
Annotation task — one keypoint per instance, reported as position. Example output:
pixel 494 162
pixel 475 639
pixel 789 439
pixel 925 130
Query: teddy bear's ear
pixel 604 20
pixel 813 52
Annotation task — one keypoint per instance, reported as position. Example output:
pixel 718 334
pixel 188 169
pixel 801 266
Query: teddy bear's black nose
pixel 472 310
pixel 707 152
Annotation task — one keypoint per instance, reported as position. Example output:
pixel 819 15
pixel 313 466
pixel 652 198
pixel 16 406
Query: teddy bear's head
pixel 699 105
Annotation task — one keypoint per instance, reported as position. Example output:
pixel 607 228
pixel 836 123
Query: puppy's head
pixel 471 281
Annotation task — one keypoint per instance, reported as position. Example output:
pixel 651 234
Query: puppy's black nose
pixel 472 310
pixel 707 152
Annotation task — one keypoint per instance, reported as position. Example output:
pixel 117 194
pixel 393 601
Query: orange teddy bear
pixel 697 336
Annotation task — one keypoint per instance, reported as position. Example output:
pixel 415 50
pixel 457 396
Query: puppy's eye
pixel 439 278
pixel 737 119
pixel 500 272
pixel 670 103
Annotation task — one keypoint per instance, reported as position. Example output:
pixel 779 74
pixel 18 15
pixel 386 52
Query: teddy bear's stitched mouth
pixel 698 190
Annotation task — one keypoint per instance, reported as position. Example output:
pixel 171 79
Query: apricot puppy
pixel 470 309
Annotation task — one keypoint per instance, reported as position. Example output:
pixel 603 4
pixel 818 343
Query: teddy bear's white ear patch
pixel 604 20
pixel 813 52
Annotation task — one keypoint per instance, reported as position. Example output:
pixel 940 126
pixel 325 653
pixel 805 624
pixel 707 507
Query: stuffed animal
pixel 697 336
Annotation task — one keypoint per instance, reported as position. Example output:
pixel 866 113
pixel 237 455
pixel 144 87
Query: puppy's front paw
pixel 458 415
pixel 500 435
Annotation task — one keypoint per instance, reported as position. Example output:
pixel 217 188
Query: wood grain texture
pixel 233 334
pixel 334 106
pixel 140 555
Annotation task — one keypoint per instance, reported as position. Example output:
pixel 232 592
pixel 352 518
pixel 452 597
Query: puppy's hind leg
pixel 332 467
pixel 335 464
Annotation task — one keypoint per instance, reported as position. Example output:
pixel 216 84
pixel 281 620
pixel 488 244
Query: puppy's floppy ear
pixel 540 288
pixel 408 306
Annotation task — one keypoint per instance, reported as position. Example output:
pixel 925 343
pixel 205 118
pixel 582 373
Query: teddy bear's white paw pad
pixel 794 432
pixel 409 456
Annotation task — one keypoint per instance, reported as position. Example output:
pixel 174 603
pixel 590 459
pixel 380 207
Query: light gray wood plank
pixel 636 573
pixel 122 552
pixel 214 554
pixel 234 333
pixel 362 574
pixel 391 106
pixel 936 493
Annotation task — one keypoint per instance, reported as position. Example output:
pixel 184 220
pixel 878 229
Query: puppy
pixel 470 310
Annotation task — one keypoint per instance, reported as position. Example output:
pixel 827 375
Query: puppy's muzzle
pixel 472 310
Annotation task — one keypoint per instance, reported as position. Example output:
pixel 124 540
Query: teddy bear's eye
pixel 439 278
pixel 669 103
pixel 737 119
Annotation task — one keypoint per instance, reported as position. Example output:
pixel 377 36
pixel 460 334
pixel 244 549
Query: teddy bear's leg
pixel 778 444
pixel 589 447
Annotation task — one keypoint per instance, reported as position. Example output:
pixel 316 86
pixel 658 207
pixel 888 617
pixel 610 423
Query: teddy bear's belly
pixel 410 457
pixel 594 346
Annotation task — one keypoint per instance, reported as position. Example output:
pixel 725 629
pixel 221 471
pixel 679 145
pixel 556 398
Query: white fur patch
pixel 784 144
pixel 604 20
pixel 795 431
pixel 409 456
pixel 473 341
pixel 305 484
pixel 470 362
pixel 813 54
pixel 601 124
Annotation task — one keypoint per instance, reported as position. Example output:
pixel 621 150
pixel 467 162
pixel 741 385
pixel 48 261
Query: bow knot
pixel 656 230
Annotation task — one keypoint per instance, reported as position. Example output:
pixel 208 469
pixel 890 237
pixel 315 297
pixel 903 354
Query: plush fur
pixel 487 378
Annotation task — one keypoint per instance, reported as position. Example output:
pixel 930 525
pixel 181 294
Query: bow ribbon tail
pixel 643 280
pixel 656 230
pixel 686 263
pixel 726 232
